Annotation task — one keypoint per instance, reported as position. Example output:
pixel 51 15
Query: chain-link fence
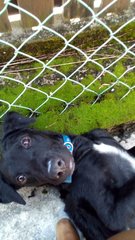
pixel 93 69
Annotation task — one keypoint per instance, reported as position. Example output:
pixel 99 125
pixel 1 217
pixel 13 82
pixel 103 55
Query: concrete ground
pixel 37 219
pixel 34 221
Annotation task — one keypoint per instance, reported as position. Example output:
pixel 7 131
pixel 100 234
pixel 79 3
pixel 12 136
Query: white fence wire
pixel 68 43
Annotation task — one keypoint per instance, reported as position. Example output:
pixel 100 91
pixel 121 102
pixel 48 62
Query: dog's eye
pixel 26 142
pixel 21 179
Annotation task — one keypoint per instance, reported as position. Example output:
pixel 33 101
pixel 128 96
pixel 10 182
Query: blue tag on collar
pixel 68 179
pixel 69 145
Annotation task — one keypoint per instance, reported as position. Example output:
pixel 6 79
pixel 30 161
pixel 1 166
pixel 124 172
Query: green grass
pixel 84 117
pixel 81 116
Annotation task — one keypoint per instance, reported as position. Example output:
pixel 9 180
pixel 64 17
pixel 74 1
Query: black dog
pixel 101 197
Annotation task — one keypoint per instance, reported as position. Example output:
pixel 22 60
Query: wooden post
pixel 39 8
pixel 117 7
pixel 122 5
pixel 83 11
pixel 76 10
pixel 57 3
pixel 4 22
pixel 70 11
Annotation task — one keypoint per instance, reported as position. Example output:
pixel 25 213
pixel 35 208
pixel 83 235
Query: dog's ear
pixel 14 121
pixel 8 194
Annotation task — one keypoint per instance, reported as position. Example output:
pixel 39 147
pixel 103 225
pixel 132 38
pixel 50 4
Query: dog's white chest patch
pixel 108 149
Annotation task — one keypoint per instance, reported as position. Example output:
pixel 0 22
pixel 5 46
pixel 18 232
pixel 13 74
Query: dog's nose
pixel 56 168
pixel 60 163
pixel 60 168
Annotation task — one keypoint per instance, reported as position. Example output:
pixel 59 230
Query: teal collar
pixel 67 142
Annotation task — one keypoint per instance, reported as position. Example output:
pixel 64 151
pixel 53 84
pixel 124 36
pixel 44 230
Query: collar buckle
pixel 69 146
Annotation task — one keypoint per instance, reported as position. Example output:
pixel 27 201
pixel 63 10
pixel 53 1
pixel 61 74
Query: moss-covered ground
pixel 82 115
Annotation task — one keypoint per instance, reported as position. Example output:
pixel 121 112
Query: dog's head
pixel 31 157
